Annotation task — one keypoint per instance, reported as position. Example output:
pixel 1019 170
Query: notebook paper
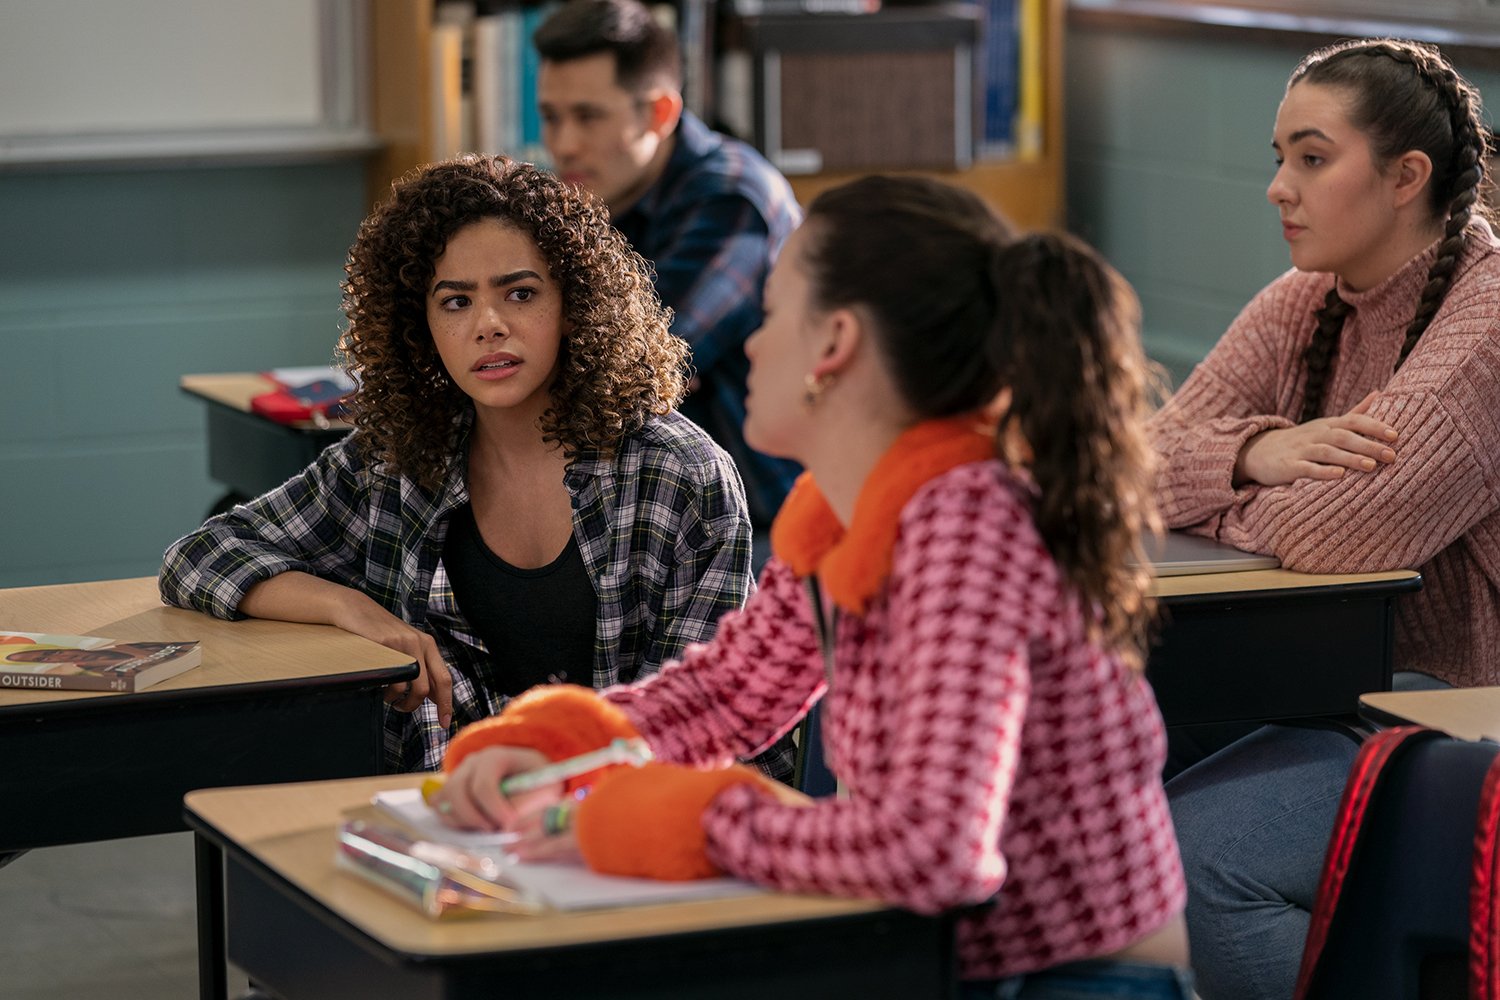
pixel 563 886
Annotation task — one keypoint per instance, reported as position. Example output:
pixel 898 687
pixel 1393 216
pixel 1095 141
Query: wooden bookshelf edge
pixel 1028 192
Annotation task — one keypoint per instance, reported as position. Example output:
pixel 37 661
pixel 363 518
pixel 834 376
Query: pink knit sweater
pixel 1434 509
pixel 985 743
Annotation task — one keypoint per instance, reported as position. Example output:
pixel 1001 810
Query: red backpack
pixel 1406 908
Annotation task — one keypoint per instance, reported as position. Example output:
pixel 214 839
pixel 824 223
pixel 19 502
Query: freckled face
pixel 1336 205
pixel 496 317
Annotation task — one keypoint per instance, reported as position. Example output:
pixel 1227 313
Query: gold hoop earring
pixel 812 388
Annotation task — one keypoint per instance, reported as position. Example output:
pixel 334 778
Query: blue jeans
pixel 1253 823
pixel 1095 979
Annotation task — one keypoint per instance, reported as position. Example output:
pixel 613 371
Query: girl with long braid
pixel 1348 421
pixel 970 408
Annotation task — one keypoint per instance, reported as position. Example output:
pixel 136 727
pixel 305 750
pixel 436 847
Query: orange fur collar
pixel 853 564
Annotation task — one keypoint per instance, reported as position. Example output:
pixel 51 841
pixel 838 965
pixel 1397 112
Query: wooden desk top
pixel 1262 580
pixel 236 389
pixel 292 830
pixel 234 653
pixel 1468 713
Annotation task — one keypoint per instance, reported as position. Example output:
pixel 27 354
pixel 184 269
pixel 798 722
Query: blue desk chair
pixel 1407 908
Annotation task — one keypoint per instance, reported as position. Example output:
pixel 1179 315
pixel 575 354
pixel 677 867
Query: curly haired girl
pixel 519 501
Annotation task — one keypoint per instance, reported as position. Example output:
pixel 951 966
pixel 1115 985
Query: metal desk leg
pixel 213 973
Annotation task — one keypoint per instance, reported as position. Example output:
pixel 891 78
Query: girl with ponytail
pixel 970 408
pixel 1346 422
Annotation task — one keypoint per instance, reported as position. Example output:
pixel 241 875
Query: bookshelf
pixel 400 90
pixel 1029 190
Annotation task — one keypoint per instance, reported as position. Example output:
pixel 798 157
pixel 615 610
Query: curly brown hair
pixel 618 364
pixel 965 308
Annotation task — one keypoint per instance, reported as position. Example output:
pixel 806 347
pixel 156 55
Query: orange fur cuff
pixel 853 563
pixel 560 720
pixel 648 822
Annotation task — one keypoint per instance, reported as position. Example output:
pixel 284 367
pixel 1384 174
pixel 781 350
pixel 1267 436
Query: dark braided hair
pixel 1405 96
pixel 1321 351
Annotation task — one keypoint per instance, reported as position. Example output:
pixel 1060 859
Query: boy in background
pixel 707 210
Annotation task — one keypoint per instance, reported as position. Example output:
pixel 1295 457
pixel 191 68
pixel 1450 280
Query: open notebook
pixel 559 885
pixel 1178 554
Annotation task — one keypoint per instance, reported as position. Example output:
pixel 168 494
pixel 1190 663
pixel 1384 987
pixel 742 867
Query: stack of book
pixel 484 80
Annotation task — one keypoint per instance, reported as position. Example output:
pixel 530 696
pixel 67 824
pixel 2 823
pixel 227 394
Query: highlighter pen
pixel 619 751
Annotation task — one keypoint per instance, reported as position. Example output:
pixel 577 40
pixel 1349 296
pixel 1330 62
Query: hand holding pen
pixel 517 788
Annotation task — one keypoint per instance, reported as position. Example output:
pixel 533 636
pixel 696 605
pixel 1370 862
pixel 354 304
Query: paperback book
pixel 40 661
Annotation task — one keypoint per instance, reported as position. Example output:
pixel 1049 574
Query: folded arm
pixel 1398 516
pixel 1231 397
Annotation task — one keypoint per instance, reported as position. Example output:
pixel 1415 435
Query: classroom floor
pixel 110 921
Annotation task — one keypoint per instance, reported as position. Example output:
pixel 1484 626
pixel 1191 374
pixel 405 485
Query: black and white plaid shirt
pixel 662 527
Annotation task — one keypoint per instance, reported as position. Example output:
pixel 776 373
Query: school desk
pixel 305 930
pixel 246 452
pixel 1258 645
pixel 1468 713
pixel 271 701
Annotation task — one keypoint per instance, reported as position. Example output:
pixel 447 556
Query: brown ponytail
pixel 1066 342
pixel 1405 96
pixel 963 310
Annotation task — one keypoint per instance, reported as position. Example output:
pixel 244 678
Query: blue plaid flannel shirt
pixel 712 225
pixel 662 528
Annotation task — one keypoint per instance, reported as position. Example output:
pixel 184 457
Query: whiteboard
pixel 84 79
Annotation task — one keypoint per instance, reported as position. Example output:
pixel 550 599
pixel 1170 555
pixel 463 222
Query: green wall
pixel 1169 156
pixel 112 285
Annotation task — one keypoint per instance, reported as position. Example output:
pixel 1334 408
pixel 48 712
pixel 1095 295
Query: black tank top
pixel 538 624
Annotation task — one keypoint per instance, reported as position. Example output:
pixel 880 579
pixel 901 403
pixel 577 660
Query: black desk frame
pixel 252 455
pixel 880 953
pixel 119 766
pixel 1259 655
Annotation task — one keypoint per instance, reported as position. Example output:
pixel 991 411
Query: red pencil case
pixel 318 401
